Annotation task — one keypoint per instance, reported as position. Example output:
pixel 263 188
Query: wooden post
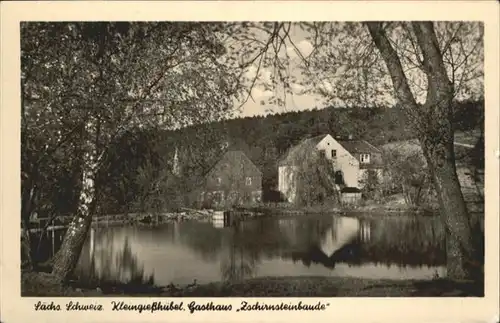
pixel 53 242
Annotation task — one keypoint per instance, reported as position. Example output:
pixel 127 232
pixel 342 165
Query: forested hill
pixel 264 139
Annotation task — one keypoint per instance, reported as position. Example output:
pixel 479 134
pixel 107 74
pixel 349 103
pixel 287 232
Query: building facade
pixel 233 180
pixel 350 160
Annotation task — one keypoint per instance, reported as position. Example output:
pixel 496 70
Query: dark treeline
pixel 192 151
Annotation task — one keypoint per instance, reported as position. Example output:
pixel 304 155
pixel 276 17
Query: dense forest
pixel 198 147
pixel 141 159
pixel 263 139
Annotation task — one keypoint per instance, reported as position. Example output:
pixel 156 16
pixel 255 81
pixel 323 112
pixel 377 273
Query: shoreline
pixel 268 211
pixel 42 284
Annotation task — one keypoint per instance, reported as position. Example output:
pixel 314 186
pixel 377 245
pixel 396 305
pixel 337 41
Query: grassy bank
pixel 332 287
pixel 394 205
pixel 41 284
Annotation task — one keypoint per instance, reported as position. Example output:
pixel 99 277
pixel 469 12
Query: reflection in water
pixel 342 231
pixel 386 247
pixel 112 259
pixel 239 263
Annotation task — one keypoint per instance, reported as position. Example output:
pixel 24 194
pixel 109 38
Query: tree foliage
pixel 84 85
pixel 407 173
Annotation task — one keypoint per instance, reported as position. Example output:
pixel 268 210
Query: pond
pixel 396 247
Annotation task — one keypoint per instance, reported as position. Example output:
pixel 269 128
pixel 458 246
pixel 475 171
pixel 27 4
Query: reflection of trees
pixel 253 240
pixel 113 261
pixel 411 240
pixel 240 263
pixel 202 238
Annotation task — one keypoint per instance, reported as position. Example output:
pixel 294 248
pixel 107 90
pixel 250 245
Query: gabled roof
pixel 235 155
pixel 316 139
pixel 358 146
pixel 295 154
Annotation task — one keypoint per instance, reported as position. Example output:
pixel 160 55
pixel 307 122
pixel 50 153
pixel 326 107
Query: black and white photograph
pixel 252 158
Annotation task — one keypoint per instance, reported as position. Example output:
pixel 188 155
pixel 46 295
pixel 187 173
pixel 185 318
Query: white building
pixel 349 158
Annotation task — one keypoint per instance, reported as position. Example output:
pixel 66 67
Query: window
pixel 248 181
pixel 365 158
pixel 334 153
pixel 218 180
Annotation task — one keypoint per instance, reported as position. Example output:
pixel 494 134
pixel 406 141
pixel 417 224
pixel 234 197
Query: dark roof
pixel 350 190
pixel 363 147
pixel 358 146
pixel 237 145
pixel 317 139
pixel 236 155
pixel 295 154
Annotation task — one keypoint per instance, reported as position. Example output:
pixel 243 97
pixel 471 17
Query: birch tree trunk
pixel 433 124
pixel 68 255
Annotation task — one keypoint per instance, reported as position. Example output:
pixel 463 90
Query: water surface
pixel 402 247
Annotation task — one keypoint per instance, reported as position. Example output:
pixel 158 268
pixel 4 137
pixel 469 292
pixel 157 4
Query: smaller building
pixel 233 180
pixel 350 195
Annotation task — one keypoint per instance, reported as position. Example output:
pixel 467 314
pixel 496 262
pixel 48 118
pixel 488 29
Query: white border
pixel 17 309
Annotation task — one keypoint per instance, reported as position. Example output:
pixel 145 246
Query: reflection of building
pixel 343 231
pixel 234 180
pixel 365 231
pixel 398 241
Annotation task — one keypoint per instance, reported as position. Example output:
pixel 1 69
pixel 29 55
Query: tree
pixel 417 60
pixel 407 173
pixel 432 122
pixel 49 132
pixel 313 178
pixel 92 82
pixel 158 188
pixel 370 183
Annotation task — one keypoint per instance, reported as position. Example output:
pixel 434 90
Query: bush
pixel 407 173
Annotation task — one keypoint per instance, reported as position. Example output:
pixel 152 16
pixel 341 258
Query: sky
pixel 299 101
pixel 294 102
